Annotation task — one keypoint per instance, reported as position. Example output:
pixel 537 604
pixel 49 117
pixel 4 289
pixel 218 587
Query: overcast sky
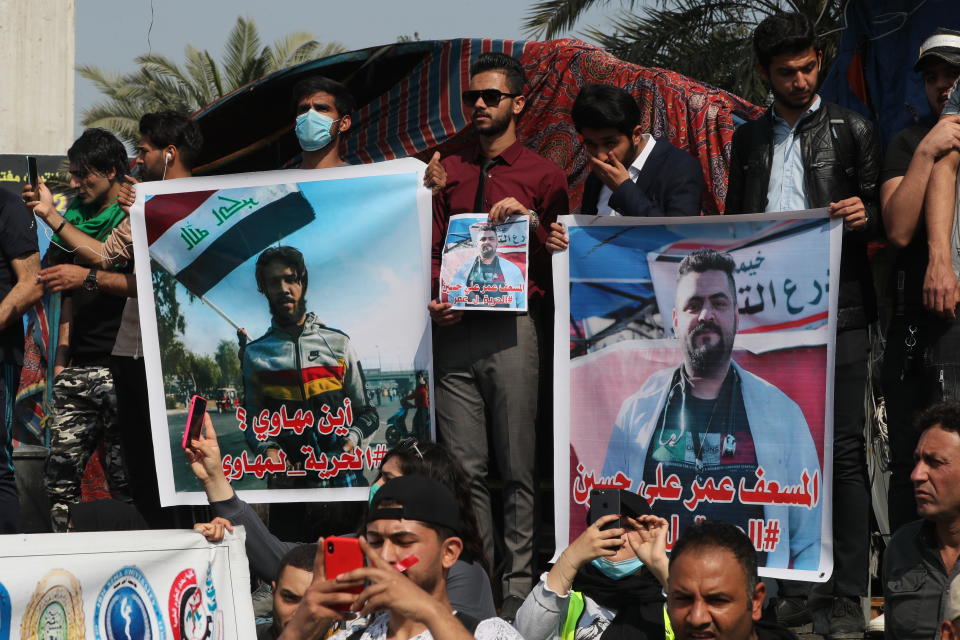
pixel 111 33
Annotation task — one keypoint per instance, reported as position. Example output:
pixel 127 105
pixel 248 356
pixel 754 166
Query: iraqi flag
pixel 201 236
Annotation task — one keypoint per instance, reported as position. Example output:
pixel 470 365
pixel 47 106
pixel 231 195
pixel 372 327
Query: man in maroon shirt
pixel 488 364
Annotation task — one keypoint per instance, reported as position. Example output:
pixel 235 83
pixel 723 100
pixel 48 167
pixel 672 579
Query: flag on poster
pixel 307 386
pixel 693 366
pixel 201 236
pixel 484 266
pixel 102 585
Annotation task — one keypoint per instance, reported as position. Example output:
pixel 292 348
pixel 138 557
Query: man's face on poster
pixel 284 292
pixel 488 244
pixel 705 320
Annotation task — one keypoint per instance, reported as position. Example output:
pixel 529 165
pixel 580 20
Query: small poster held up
pixel 484 266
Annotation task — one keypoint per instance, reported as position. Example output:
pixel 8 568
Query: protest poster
pixel 484 266
pixel 111 584
pixel 331 364
pixel 743 306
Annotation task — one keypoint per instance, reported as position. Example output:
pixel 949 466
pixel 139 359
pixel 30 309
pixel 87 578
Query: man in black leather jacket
pixel 804 153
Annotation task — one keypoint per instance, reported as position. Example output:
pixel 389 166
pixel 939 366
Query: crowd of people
pixel 433 500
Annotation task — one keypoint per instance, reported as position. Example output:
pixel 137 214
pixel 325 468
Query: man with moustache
pixel 488 269
pixel 713 590
pixel 488 365
pixel 805 153
pixel 920 561
pixel 711 419
pixel 300 363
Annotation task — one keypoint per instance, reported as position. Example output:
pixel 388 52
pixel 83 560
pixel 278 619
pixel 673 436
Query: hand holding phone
pixel 33 173
pixel 342 555
pixel 195 413
pixel 605 502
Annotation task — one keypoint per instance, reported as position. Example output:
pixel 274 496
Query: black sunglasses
pixel 491 97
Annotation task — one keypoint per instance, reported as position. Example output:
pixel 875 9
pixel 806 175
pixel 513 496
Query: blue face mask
pixel 313 130
pixel 617 570
pixel 373 491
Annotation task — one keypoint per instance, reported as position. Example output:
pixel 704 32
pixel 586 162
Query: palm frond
pixel 548 18
pixel 242 55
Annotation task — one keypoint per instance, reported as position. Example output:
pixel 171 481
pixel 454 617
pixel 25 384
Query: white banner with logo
pixel 124 585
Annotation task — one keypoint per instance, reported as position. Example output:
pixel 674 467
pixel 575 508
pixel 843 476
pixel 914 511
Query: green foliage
pixel 708 40
pixel 160 83
pixel 228 362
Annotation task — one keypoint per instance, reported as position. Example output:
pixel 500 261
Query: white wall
pixel 36 76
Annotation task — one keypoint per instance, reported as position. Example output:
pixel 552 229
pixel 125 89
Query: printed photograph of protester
pixel 682 341
pixel 270 300
pixel 484 266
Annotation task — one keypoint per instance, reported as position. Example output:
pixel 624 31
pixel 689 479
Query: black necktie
pixel 484 169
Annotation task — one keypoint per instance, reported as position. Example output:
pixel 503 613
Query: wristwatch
pixel 534 219
pixel 90 282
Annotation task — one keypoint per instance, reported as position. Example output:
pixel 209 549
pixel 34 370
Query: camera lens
pixel 329 547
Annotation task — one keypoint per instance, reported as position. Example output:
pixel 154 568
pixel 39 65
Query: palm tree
pixel 708 40
pixel 160 83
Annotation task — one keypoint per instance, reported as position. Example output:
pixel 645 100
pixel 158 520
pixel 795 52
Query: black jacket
pixel 670 184
pixel 841 158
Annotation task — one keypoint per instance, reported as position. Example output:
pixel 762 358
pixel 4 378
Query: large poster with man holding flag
pixel 694 367
pixel 295 303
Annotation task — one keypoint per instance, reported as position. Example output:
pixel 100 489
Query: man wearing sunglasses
pixel 488 364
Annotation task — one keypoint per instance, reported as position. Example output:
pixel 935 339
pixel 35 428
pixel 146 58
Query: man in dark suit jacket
pixel 631 172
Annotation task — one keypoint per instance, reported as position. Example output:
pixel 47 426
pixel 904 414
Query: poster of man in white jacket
pixel 709 439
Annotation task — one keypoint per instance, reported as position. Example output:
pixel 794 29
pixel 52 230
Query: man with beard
pixel 804 153
pixel 488 269
pixel 301 364
pixel 488 365
pixel 709 419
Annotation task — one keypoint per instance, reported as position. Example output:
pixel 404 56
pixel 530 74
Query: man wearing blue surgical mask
pixel 323 108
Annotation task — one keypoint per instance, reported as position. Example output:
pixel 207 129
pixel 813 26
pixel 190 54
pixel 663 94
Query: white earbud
pixel 167 158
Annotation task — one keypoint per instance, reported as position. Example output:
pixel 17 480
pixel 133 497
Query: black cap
pixel 421 498
pixel 634 505
pixel 943 45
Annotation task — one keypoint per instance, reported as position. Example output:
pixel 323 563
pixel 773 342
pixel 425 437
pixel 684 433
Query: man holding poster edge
pixel 488 365
pixel 803 153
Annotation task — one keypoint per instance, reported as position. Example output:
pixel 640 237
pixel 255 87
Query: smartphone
pixel 33 174
pixel 195 413
pixel 604 502
pixel 341 555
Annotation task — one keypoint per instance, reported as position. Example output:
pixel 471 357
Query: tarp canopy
pixel 409 104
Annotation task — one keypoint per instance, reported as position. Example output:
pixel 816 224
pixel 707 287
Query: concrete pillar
pixel 37 76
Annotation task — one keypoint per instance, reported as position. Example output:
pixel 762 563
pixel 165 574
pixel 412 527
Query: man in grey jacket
pixel 712 425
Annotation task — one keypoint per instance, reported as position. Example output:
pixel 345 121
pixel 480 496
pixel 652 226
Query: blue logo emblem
pixel 4 613
pixel 127 609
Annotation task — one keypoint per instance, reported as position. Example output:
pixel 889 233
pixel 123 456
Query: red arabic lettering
pixel 338 422
pixel 585 481
pixel 765 534
pixel 805 494
pixel 672 489
pixel 234 468
pixel 331 466
pixel 710 491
